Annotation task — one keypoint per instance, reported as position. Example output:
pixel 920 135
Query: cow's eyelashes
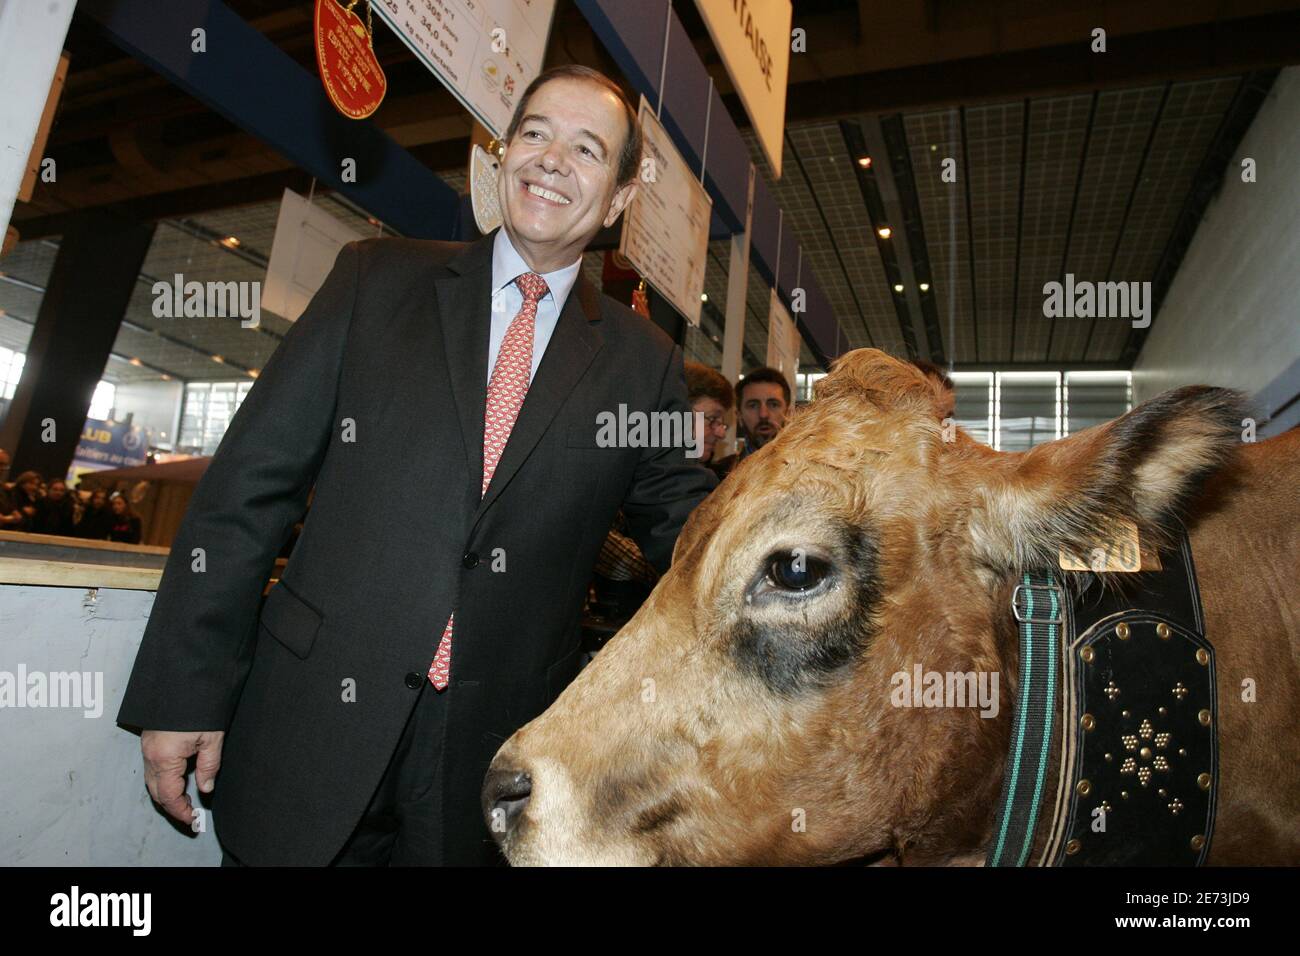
pixel 794 573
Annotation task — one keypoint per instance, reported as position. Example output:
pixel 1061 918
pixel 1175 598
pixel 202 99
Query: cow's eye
pixel 796 571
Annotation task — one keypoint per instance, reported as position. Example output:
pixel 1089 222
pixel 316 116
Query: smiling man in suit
pixel 441 399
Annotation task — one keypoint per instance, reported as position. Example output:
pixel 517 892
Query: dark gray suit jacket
pixel 376 397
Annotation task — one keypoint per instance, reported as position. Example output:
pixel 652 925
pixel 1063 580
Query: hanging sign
pixel 782 341
pixel 666 225
pixel 484 168
pixel 485 51
pixel 307 241
pixel 753 39
pixel 353 79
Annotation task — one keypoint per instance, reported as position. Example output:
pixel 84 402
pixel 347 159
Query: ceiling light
pixel 218 358
pixel 135 361
pixel 884 232
pixel 230 242
pixel 252 373
pixel 899 287
pixel 925 287
pixel 864 162
pixel 704 297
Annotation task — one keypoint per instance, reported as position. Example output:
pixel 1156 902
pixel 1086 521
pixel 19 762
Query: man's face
pixel 57 491
pixel 715 423
pixel 559 176
pixel 762 411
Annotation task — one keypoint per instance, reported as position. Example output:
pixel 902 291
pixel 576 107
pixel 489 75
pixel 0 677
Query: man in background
pixel 764 399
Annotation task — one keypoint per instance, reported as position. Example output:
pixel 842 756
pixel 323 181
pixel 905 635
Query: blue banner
pixel 110 445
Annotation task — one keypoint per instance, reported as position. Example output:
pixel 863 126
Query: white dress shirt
pixel 507 299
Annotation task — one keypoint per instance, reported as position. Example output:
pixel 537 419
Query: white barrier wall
pixel 71 781
pixel 1232 315
pixel 31 40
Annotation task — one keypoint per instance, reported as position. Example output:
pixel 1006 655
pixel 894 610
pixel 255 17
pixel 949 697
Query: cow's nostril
pixel 505 795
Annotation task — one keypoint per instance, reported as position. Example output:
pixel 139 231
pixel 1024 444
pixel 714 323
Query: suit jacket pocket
pixel 290 620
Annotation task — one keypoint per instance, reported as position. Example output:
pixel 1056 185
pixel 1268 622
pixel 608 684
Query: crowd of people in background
pixel 30 503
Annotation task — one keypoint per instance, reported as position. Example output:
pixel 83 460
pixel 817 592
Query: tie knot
pixel 532 286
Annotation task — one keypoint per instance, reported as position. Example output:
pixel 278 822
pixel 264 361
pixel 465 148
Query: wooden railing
pixel 50 559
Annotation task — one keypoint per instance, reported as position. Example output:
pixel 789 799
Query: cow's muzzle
pixel 504 798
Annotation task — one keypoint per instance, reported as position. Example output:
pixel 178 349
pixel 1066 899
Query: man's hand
pixel 166 754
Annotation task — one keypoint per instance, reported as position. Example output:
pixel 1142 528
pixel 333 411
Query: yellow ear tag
pixel 1116 548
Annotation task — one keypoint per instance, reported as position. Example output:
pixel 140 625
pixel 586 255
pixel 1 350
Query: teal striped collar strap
pixel 1038 604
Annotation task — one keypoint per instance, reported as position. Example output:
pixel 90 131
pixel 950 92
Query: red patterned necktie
pixel 505 396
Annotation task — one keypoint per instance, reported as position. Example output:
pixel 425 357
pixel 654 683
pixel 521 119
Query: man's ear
pixel 622 196
pixel 1144 466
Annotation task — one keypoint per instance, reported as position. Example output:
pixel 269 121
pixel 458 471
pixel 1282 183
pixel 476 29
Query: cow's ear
pixel 1144 466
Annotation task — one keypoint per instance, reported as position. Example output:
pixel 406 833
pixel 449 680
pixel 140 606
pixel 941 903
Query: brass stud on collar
pixel 1084 788
pixel 1122 631
pixel 1204 717
pixel 1088 721
pixel 1087 654
pixel 1198 841
pixel 1162 631
pixel 1073 847
pixel 1203 781
pixel 1202 656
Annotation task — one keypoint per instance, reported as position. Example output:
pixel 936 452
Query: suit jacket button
pixel 470 560
pixel 413 680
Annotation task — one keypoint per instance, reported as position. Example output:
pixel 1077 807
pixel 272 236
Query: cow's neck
pixel 961 828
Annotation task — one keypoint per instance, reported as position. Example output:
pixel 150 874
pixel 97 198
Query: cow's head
pixel 749 712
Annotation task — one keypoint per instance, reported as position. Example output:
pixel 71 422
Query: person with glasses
pixel 711 395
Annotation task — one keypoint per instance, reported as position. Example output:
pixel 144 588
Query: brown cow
pixel 752 691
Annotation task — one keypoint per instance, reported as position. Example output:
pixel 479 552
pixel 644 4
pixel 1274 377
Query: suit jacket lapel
pixel 573 346
pixel 464 307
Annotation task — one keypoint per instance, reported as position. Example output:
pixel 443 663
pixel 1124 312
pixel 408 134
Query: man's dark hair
pixel 702 381
pixel 764 373
pixel 630 159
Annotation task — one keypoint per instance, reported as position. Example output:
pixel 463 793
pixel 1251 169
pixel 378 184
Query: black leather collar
pixel 1120 677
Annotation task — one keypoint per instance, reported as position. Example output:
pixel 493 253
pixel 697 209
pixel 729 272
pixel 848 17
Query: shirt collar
pixel 508 265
